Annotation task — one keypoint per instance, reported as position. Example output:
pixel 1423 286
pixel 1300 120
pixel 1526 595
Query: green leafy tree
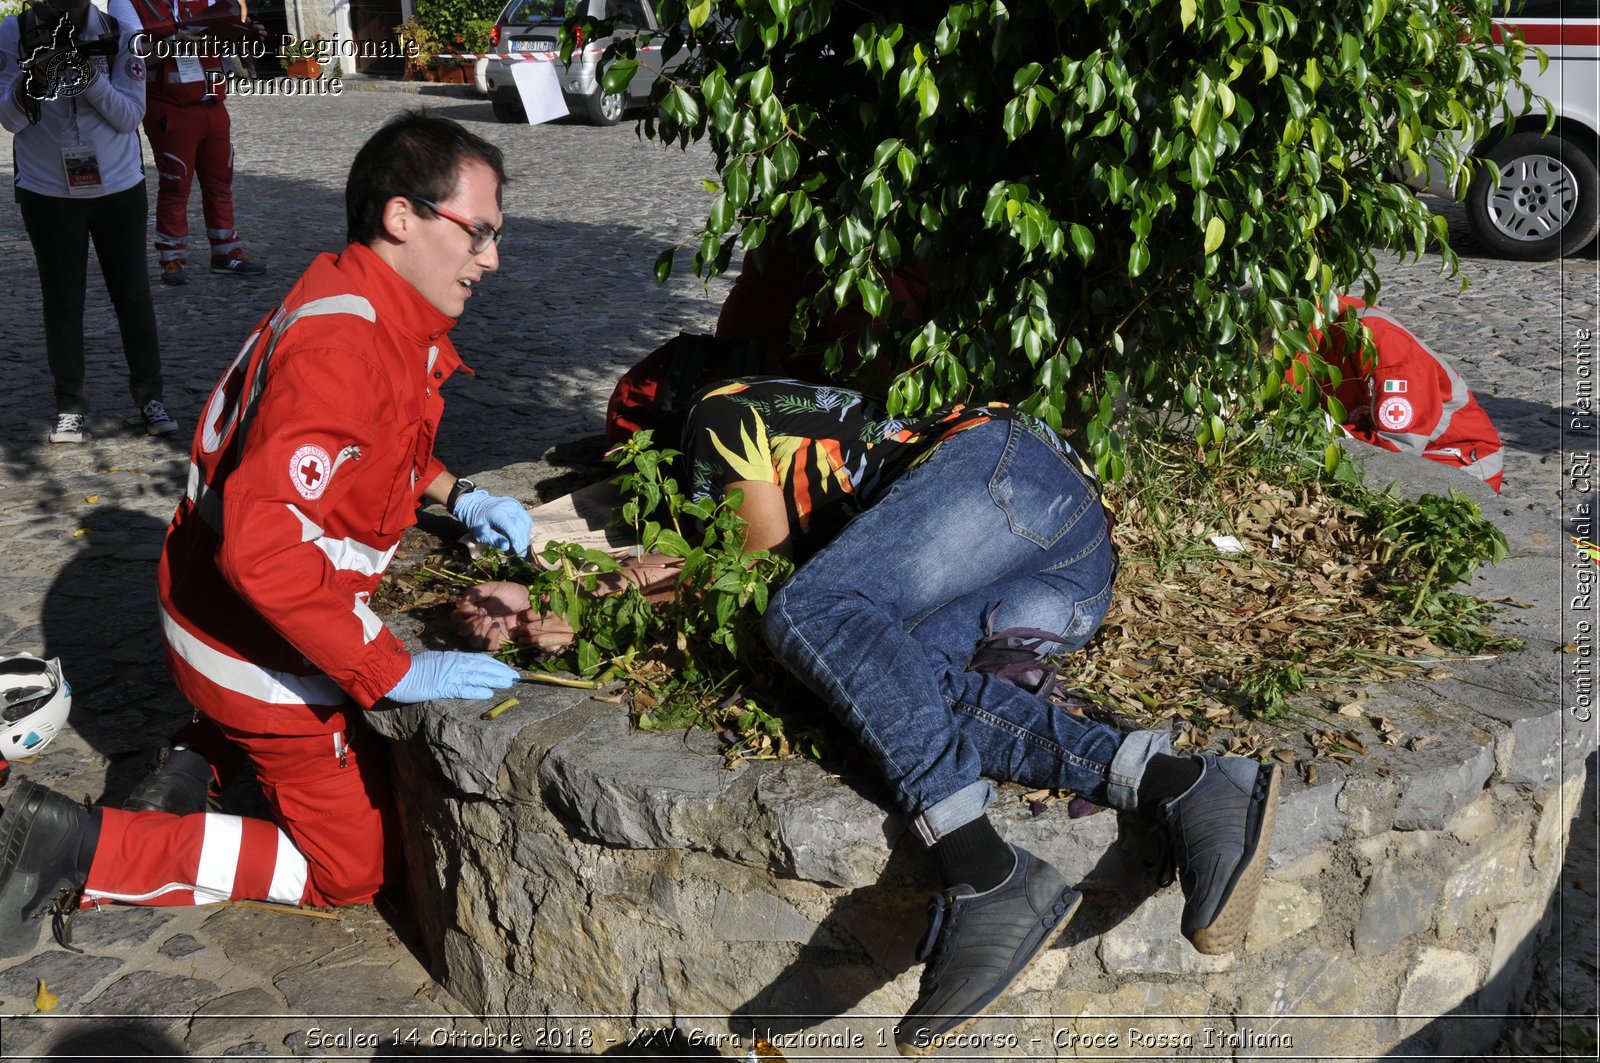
pixel 1109 197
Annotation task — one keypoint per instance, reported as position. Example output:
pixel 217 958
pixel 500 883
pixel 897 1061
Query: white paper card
pixel 539 85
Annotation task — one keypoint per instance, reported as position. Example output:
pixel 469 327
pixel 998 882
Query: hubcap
pixel 1536 196
pixel 611 106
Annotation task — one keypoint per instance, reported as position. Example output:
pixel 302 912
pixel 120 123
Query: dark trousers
pixel 60 229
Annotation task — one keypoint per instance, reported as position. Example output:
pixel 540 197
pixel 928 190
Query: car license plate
pixel 533 46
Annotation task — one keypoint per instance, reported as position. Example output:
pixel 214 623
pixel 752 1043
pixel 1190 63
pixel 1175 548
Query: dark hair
pixel 414 154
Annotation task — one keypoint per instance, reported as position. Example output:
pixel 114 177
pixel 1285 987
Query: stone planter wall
pixel 563 866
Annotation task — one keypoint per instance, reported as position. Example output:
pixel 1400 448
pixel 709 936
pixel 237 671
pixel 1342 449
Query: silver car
pixel 533 28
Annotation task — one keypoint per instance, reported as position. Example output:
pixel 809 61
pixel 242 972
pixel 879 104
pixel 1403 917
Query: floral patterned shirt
pixel 832 451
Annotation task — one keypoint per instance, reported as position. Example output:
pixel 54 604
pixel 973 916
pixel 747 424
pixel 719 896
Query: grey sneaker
pixel 978 945
pixel 1219 831
pixel 68 428
pixel 153 418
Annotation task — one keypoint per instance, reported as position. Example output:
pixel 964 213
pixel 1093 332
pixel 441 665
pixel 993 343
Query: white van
pixel 1537 196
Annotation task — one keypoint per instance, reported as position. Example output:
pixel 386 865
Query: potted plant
pixel 303 58
pixel 419 45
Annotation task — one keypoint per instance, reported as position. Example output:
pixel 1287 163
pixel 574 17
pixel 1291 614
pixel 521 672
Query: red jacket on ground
pixel 307 465
pixel 1410 400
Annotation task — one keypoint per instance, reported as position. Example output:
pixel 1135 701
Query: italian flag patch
pixel 1392 387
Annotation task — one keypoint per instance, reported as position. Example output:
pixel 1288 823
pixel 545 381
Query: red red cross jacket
pixel 306 467
pixel 190 78
pixel 1411 400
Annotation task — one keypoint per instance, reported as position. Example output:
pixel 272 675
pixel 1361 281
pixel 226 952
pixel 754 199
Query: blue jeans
pixel 882 622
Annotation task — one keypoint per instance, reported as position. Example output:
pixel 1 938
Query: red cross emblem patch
pixel 309 469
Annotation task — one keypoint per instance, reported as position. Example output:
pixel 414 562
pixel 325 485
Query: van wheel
pixel 1534 198
pixel 603 109
pixel 508 111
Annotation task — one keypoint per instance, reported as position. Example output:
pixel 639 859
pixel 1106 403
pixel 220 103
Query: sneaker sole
pixel 19 935
pixel 1074 898
pixel 1233 918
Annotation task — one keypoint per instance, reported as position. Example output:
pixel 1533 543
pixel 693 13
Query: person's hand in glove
pixel 495 520
pixel 452 674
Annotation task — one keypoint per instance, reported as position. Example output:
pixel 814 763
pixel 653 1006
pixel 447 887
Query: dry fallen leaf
pixel 45 1000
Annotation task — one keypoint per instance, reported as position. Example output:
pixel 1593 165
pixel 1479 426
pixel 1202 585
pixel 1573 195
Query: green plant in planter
pixel 475 39
pixel 417 42
pixel 310 48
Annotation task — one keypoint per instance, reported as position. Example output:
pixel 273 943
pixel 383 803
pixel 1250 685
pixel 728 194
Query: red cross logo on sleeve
pixel 309 470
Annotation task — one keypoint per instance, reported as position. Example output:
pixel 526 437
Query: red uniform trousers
pixel 337 843
pixel 188 140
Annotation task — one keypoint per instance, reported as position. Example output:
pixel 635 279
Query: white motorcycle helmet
pixel 34 702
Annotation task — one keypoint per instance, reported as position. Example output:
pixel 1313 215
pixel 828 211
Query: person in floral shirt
pixel 940 558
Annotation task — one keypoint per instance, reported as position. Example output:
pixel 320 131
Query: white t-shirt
pixel 101 123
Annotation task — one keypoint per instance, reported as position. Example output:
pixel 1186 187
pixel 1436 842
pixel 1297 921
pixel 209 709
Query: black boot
pixel 46 844
pixel 178 784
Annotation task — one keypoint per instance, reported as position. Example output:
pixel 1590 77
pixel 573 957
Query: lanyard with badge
pixel 189 69
pixel 80 162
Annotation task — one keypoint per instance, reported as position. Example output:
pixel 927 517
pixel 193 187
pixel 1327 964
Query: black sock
pixel 974 855
pixel 1165 777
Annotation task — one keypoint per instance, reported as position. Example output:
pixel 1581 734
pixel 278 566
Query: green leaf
pixel 1082 242
pixel 1216 229
pixel 664 264
pixel 927 96
pixel 619 75
pixel 699 13
pixel 1186 14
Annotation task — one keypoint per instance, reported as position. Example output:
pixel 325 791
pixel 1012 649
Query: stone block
pixel 472 752
pixel 71 978
pixel 758 917
pixel 1147 942
pixel 827 832
pixel 1308 820
pixel 639 791
pixel 1557 809
pixel 1288 1000
pixel 216 1028
pixel 1369 802
pixel 1283 910
pixel 1516 932
pixel 1449 774
pixel 1135 1020
pixel 1474 822
pixel 1493 873
pixel 886 922
pixel 165 999
pixel 1437 983
pixel 1399 903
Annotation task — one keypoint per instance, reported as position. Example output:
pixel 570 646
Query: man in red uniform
pixel 309 462
pixel 189 129
pixel 1408 399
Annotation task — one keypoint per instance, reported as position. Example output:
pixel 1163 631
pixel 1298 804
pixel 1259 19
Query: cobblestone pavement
pixel 573 304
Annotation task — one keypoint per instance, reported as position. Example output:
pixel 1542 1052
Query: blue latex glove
pixel 495 520
pixel 452 674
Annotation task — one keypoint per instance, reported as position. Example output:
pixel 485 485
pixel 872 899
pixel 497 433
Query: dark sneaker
pixel 68 428
pixel 41 836
pixel 1219 831
pixel 978 945
pixel 153 418
pixel 178 784
pixel 237 263
pixel 172 273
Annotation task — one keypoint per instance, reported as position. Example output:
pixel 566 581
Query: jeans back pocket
pixel 1038 487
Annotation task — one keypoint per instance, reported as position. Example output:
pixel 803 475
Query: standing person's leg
pixel 117 226
pixel 174 134
pixel 58 228
pixel 215 168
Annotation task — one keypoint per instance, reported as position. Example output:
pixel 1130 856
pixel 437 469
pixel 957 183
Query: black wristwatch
pixel 463 486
